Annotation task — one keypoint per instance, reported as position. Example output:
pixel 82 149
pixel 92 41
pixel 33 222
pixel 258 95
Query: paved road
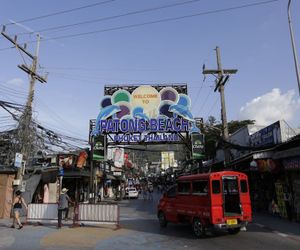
pixel 139 217
pixel 140 230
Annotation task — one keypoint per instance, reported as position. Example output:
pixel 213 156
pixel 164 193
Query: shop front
pixel 292 190
pixel 265 177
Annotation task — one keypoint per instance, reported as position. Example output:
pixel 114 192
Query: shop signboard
pixel 145 115
pixel 280 199
pixel 197 146
pixel 291 163
pixel 167 159
pixel 164 160
pixel 268 136
pixel 99 148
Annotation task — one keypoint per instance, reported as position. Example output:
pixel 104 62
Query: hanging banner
pixel 197 146
pixel 118 157
pixel 81 160
pixel 66 160
pixel 99 148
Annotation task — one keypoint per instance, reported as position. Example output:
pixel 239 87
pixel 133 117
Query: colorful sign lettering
pixel 145 115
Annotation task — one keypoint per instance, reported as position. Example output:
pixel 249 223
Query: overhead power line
pixel 156 21
pixel 113 17
pixel 212 107
pixel 163 20
pixel 205 100
pixel 62 12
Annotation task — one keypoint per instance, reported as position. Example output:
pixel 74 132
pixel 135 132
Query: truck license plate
pixel 231 222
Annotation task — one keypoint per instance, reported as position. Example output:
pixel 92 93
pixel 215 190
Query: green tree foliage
pixel 234 126
pixel 212 130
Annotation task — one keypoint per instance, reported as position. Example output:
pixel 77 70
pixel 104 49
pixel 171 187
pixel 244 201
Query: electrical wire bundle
pixel 39 137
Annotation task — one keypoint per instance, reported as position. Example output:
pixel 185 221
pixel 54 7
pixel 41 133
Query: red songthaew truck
pixel 218 200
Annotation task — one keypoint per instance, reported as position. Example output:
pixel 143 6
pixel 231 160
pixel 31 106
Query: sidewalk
pixel 49 237
pixel 280 226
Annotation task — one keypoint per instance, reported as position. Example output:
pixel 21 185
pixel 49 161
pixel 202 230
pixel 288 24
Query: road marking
pixel 280 234
pixel 260 225
pixel 273 231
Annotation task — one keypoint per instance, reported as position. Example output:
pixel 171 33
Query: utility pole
pixel 26 133
pixel 221 79
pixel 293 46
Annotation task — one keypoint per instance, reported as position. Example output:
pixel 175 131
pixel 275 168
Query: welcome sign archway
pixel 143 115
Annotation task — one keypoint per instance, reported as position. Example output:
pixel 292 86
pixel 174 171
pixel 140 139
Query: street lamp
pixel 293 45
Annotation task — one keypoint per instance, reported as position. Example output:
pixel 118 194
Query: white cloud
pixel 16 82
pixel 271 107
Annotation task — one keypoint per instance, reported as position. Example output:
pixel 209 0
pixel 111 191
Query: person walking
pixel 150 192
pixel 63 206
pixel 145 192
pixel 17 208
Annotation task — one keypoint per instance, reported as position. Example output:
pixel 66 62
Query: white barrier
pixel 98 214
pixel 84 213
pixel 42 212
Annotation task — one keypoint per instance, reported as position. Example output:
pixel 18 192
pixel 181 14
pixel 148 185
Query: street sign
pixel 117 173
pixel 197 146
pixel 23 186
pixel 99 148
pixel 18 160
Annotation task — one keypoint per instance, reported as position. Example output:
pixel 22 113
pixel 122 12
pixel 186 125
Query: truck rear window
pixel 216 187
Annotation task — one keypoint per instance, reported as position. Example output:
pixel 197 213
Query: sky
pixel 255 40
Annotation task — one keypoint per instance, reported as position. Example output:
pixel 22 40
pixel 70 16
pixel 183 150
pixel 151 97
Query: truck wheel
pixel 162 219
pixel 198 228
pixel 234 230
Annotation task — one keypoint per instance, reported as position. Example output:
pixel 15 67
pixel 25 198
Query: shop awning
pixel 292 152
pixel 49 175
pixel 32 181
